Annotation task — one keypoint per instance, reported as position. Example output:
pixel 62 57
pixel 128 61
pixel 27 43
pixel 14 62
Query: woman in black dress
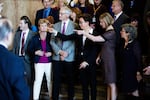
pixel 131 60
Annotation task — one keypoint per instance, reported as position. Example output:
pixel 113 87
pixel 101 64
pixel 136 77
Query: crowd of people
pixel 75 36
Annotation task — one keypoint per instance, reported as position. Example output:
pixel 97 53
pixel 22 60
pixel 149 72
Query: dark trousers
pixel 88 79
pixel 58 68
pixel 27 73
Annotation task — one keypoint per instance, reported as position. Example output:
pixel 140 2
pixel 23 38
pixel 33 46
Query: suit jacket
pixel 68 46
pixel 89 51
pixel 122 19
pixel 17 40
pixel 84 52
pixel 12 82
pixel 35 44
pixel 53 12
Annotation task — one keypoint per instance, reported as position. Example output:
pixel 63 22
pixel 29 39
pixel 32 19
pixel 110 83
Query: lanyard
pixel 95 10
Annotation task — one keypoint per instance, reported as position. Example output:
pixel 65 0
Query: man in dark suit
pixel 120 18
pixel 46 11
pixel 21 41
pixel 12 82
pixel 88 53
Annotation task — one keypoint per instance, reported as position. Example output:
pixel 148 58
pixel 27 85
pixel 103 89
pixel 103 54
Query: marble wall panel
pixel 14 9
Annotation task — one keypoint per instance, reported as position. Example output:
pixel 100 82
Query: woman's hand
pixel 39 53
pixel 147 70
pixel 83 65
pixel 79 32
pixel 52 31
pixel 98 60
pixel 138 76
pixel 48 54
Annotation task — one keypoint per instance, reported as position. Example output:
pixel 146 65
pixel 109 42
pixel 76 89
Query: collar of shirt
pixel 91 31
pixel 27 31
pixel 118 15
pixel 48 9
pixel 2 43
pixel 84 37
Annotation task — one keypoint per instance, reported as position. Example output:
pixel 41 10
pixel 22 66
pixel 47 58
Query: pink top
pixel 43 59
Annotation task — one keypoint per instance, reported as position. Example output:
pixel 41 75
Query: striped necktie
pixel 22 43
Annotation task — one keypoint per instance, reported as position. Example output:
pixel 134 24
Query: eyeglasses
pixel 123 31
pixel 81 22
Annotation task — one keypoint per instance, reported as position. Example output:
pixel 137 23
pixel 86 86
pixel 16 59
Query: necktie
pixel 115 17
pixel 64 28
pixel 22 43
pixel 45 13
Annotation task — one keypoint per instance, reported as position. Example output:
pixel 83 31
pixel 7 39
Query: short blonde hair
pixel 107 18
pixel 41 21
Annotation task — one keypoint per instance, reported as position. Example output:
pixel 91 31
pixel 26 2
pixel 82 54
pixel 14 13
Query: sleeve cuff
pixel 55 33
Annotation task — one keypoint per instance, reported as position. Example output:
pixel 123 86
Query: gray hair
pixel 66 10
pixel 131 30
pixel 120 3
pixel 5 28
